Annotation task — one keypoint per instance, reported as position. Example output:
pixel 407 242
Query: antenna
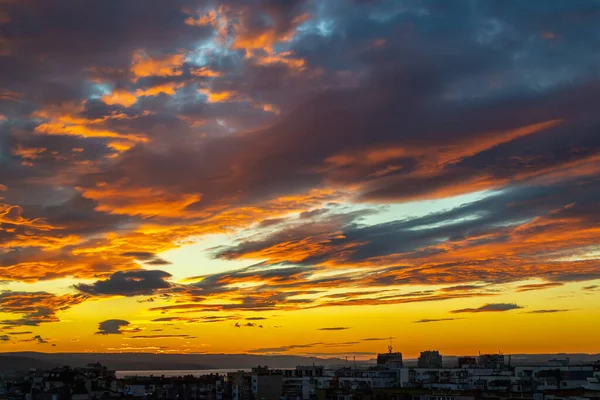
pixel 390 347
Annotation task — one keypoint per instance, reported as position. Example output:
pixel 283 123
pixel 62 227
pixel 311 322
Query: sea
pixel 178 372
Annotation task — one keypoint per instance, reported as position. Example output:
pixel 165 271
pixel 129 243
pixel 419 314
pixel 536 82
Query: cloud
pixel 425 321
pixel 271 222
pixel 462 288
pixel 550 311
pixel 474 226
pixel 157 261
pixel 295 129
pixel 147 300
pixel 283 349
pixel 376 339
pixel 201 319
pixel 280 286
pixel 139 255
pixel 170 319
pixel 131 283
pixel 111 327
pixel 35 308
pixel 247 325
pixel 490 307
pixel 161 337
pixel 591 287
pixel 40 339
pixel 334 328
pixel 340 354
pixel 147 257
pixel 538 286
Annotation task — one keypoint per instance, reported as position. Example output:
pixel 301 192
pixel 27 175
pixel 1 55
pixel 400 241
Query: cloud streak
pixel 490 307
pixel 426 321
pixel 334 328
pixel 548 311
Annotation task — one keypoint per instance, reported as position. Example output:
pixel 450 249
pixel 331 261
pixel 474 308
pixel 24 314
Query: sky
pixel 299 176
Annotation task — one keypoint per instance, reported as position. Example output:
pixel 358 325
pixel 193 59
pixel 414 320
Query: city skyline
pixel 299 177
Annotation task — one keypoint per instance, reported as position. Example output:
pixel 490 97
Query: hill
pixel 149 361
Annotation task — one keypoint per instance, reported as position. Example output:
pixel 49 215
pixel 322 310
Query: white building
pixel 593 383
pixel 368 378
pixel 556 376
pixel 137 390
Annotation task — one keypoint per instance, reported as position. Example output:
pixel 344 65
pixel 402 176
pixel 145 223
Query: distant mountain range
pixel 20 361
pixel 23 361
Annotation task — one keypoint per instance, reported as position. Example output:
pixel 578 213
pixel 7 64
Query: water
pixel 178 372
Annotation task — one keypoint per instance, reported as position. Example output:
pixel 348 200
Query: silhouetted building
pixel 390 358
pixel 430 359
pixel 495 361
pixel 467 362
pixel 267 384
pixel 240 385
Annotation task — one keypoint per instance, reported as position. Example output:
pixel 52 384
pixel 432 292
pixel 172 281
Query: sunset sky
pixel 300 176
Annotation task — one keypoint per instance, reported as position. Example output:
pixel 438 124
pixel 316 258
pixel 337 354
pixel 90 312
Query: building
pixel 593 382
pixel 266 384
pixel 467 362
pixel 240 384
pixel 430 359
pixel 495 361
pixel 391 358
pixel 552 376
pixel 369 378
pixel 553 380
pixel 303 382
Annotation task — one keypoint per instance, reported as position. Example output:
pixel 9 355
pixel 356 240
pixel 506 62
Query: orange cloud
pixel 128 98
pixel 168 88
pixel 144 66
pixel 266 38
pixel 205 72
pixel 46 243
pixel 297 250
pixel 65 120
pixel 209 18
pixel 271 108
pixel 12 215
pixel 67 255
pixel 486 141
pixel 219 97
pixel 233 27
pixel 28 154
pixel 35 308
pixel 285 58
pixel 147 202
pixel 121 97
